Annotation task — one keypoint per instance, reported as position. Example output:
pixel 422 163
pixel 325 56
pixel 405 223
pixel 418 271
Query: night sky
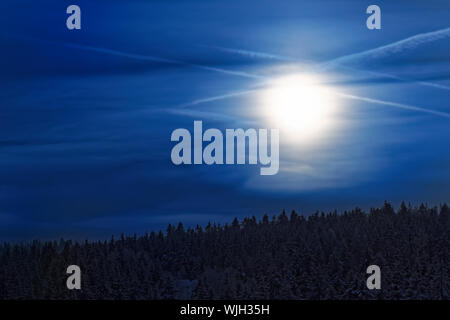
pixel 86 115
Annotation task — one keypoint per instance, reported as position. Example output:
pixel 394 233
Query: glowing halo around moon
pixel 300 106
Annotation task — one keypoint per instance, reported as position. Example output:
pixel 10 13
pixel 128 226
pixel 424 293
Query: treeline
pixel 322 256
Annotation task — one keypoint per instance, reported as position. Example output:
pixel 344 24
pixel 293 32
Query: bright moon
pixel 300 106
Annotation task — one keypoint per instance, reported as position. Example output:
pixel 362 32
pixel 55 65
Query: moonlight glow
pixel 300 106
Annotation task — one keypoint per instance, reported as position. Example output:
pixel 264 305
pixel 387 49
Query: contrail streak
pixel 395 47
pixel 158 59
pixel 257 54
pixel 215 98
pixel 140 57
pixel 206 115
pixel 240 74
pixel 394 104
pixel 254 54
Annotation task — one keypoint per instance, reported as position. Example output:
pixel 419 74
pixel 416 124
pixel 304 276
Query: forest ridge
pixel 290 256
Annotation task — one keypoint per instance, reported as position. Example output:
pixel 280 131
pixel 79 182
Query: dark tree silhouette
pixel 323 256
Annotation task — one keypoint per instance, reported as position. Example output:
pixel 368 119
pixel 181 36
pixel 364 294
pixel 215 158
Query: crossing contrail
pixel 321 67
pixel 344 61
pixel 339 94
pixel 239 74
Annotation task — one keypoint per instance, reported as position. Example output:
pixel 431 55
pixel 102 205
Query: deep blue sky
pixel 86 116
